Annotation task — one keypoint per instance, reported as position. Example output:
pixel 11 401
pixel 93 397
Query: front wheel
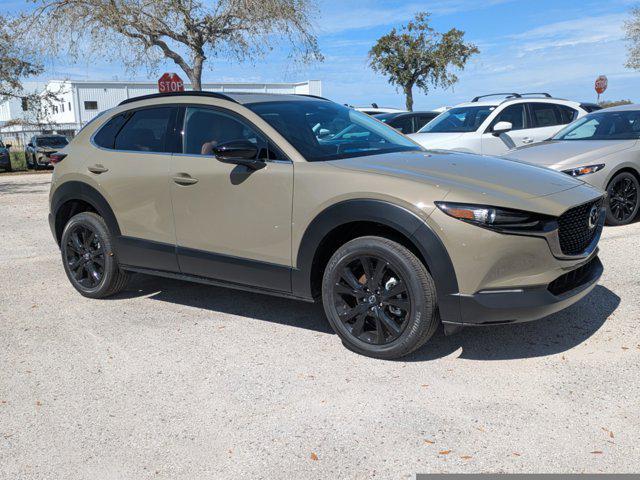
pixel 88 257
pixel 623 199
pixel 379 298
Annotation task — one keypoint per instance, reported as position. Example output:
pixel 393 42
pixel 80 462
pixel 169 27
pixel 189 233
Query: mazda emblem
pixel 594 216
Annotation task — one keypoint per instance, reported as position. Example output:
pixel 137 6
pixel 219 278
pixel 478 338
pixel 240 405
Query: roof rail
pixel 191 93
pixel 512 95
pixel 546 95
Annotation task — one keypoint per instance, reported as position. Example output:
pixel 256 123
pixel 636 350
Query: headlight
pixel 579 171
pixel 495 217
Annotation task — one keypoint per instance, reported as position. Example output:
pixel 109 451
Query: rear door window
pixel 545 115
pixel 147 130
pixel 402 124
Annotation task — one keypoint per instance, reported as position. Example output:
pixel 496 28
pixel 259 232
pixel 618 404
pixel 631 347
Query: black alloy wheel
pixel 379 298
pixel 372 300
pixel 623 200
pixel 88 257
pixel 85 256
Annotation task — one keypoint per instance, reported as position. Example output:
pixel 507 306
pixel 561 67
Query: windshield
pixel 459 120
pixel 603 125
pixel 56 142
pixel 323 131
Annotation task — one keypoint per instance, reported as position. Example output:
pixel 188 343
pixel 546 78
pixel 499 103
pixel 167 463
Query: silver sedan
pixel 602 149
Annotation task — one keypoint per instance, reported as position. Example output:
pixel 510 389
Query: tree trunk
pixel 196 72
pixel 408 93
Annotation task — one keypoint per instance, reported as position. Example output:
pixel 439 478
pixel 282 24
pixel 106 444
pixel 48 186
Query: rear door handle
pixel 97 169
pixel 527 140
pixel 185 179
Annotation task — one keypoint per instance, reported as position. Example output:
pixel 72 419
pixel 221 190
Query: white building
pixel 80 101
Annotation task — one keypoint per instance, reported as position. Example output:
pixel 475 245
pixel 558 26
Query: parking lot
pixel 177 380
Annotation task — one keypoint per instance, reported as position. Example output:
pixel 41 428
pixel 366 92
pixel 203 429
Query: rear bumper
pixel 5 161
pixel 495 307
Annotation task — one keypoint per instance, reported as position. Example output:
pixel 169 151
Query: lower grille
pixel 574 278
pixel 575 231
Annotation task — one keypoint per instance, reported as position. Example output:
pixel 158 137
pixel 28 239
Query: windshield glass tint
pixel 460 119
pixel 52 142
pixel 603 126
pixel 327 131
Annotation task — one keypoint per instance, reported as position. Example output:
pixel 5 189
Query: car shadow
pixel 548 336
pixel 229 301
pixel 555 334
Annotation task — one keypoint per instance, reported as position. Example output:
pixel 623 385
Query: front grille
pixel 574 231
pixel 574 278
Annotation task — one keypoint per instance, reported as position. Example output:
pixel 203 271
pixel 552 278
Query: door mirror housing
pixel 239 152
pixel 30 144
pixel 502 127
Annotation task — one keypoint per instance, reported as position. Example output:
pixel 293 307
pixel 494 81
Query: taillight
pixel 56 157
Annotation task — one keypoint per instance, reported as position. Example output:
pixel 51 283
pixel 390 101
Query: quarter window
pixel 106 136
pixel 146 130
pixel 205 128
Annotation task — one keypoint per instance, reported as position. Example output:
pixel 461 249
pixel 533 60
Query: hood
pixel 569 152
pixel 487 176
pixel 435 140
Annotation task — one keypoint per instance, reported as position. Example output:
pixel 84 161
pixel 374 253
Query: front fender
pixel 399 219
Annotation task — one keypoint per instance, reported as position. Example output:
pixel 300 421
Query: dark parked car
pixel 407 122
pixel 40 147
pixel 5 162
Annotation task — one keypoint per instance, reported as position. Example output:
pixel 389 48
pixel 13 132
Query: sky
pixel 557 46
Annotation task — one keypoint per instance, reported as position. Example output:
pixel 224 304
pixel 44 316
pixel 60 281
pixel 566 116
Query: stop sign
pixel 601 84
pixel 170 82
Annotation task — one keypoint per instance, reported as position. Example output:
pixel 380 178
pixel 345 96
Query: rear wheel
pixel 623 200
pixel 88 257
pixel 379 298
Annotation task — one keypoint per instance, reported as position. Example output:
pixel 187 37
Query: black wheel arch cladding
pixel 396 218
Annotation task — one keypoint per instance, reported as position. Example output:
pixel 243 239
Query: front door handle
pixel 185 179
pixel 527 140
pixel 97 169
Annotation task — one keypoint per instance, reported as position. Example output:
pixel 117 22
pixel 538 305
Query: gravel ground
pixel 176 380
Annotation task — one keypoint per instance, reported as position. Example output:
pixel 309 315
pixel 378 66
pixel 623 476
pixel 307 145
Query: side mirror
pixel 239 152
pixel 30 144
pixel 502 127
pixel 7 146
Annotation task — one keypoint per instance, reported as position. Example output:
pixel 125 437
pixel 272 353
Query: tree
pixel 16 63
pixel 417 55
pixel 144 32
pixel 632 28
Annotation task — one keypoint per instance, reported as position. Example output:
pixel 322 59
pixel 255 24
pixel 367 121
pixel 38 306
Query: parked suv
pixel 493 127
pixel 40 148
pixel 240 190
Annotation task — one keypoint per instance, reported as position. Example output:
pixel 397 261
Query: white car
pixel 493 127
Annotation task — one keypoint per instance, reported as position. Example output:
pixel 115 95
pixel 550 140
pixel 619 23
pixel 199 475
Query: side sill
pixel 215 283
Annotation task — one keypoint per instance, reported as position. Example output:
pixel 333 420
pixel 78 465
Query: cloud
pixel 378 13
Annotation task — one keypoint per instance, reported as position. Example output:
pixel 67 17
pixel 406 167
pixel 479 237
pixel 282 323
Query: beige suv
pixel 299 196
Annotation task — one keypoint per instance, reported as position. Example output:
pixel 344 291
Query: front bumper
pixel 503 306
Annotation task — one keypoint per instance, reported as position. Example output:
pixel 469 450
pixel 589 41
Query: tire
pixel 623 199
pixel 387 313
pixel 88 257
pixel 34 162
